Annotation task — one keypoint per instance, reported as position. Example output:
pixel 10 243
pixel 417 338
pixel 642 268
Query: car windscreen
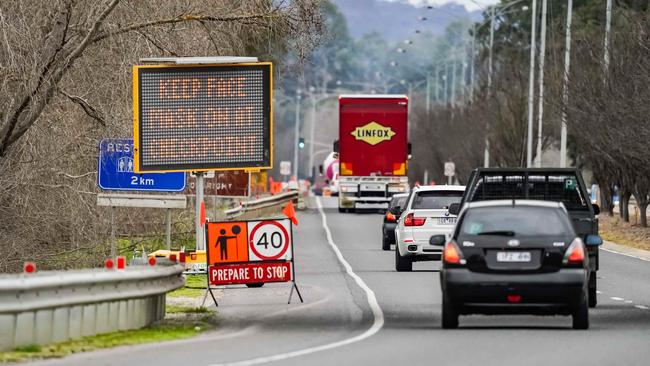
pixel 435 200
pixel 558 187
pixel 397 201
pixel 516 221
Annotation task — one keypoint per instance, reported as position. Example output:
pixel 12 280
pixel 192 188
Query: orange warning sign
pixel 228 242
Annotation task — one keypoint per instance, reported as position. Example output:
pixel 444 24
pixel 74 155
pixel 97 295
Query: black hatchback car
pixel 515 257
pixel 390 220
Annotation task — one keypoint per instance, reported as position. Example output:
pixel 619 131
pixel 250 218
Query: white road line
pixel 641 307
pixel 628 301
pixel 617 298
pixel 377 313
pixel 625 254
pixel 599 292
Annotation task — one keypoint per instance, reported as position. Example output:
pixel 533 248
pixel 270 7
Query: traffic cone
pixel 290 212
pixel 202 214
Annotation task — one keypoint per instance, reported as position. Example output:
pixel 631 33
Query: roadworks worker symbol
pixel 373 133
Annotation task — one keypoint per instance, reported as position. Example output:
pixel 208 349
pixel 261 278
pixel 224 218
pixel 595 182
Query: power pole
pixel 565 91
pixel 542 51
pixel 531 85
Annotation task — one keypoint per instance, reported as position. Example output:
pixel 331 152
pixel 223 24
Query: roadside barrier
pixel 55 306
pixel 263 206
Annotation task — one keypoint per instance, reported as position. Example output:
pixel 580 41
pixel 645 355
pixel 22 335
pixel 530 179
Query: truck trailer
pixel 373 150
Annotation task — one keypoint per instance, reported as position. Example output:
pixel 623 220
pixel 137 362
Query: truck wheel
pixel 593 297
pixel 449 313
pixel 402 264
pixel 581 313
pixel 341 210
pixel 385 244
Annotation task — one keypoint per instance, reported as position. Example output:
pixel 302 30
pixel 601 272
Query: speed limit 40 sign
pixel 269 240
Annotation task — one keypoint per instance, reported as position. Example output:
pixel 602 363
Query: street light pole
pixel 565 91
pixel 531 86
pixel 453 83
pixel 540 115
pixel 428 104
pixel 296 135
pixel 312 132
pixel 471 66
pixel 486 154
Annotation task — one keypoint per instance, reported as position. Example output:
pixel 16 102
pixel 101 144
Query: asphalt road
pixel 338 326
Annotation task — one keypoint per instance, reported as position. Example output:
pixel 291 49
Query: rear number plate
pixel 446 220
pixel 517 257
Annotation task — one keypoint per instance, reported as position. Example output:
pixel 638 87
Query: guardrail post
pixel 7 324
pixel 88 319
pixel 43 322
pixel 61 325
pixel 25 325
pixel 75 319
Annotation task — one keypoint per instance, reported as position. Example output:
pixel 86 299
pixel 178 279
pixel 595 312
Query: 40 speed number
pixel 269 240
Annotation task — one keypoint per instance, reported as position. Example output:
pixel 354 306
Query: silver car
pixel 425 214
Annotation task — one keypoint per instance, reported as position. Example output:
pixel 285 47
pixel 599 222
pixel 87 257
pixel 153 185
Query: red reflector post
pixel 29 267
pixel 121 262
pixel 172 257
pixel 152 261
pixel 108 263
pixel 181 257
pixel 514 298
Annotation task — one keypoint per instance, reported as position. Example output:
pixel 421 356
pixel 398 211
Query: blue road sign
pixel 115 171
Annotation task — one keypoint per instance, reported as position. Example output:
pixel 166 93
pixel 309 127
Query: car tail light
pixel 390 216
pixel 451 254
pixel 575 254
pixel 411 220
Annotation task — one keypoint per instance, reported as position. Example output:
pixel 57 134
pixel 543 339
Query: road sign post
pixel 251 252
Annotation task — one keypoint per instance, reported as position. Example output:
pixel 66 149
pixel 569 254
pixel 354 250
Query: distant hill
pixel 397 21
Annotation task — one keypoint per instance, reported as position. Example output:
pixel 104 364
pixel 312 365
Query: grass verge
pixel 613 229
pixel 195 286
pixel 182 322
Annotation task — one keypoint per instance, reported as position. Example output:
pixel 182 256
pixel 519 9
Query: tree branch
pixel 89 109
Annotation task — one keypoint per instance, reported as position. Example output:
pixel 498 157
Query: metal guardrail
pixel 55 306
pixel 259 205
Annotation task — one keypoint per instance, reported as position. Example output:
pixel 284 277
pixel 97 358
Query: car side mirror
pixel 596 209
pixel 438 240
pixel 593 240
pixel 396 211
pixel 454 208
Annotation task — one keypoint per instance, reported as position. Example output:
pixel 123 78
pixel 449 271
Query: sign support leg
pixel 294 286
pixel 113 243
pixel 199 199
pixel 205 296
pixel 168 230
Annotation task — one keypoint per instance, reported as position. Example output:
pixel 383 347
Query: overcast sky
pixel 469 4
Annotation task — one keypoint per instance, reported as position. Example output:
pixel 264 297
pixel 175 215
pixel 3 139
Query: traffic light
pixel 301 143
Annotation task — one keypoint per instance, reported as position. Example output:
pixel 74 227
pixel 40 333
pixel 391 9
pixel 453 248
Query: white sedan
pixel 425 214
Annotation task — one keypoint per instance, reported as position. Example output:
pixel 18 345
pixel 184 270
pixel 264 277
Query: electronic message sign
pixel 202 117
